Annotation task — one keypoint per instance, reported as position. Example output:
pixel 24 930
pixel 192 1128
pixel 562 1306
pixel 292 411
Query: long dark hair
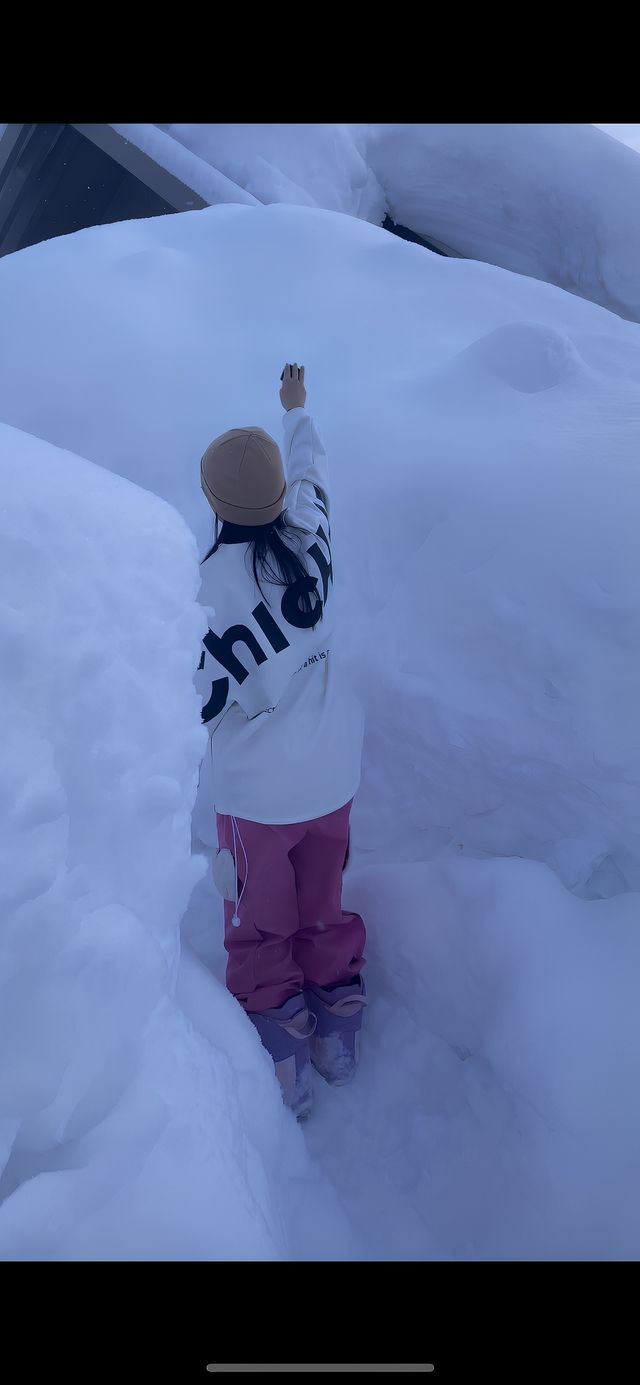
pixel 269 557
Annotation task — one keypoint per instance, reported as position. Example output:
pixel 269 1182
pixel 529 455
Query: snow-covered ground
pixel 483 432
pixel 559 202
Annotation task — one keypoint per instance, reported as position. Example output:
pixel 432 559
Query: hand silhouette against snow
pixel 293 393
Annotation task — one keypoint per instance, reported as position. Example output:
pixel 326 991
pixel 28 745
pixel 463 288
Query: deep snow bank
pixel 510 636
pixel 123 1133
pixel 558 202
pixel 483 431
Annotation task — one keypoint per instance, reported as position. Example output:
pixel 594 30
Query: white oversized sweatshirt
pixel 286 727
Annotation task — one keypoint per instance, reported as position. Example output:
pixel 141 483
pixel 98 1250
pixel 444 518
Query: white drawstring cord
pixel 235 829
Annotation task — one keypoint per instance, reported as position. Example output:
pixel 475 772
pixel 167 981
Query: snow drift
pixel 123 1133
pixel 303 165
pixel 483 434
pixel 558 202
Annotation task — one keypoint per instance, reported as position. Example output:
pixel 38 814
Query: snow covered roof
pixel 560 203
pixel 557 202
pixel 56 178
pixel 162 152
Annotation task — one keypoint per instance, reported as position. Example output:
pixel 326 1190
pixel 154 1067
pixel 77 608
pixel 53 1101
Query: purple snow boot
pixel 285 1034
pixel 336 1041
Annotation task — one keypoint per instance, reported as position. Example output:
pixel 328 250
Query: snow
pixel 124 1133
pixel 559 202
pixel 483 435
pixel 317 165
pixel 627 134
pixel 209 183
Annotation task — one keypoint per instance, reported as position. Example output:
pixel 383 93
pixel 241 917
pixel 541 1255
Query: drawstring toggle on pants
pixel 236 831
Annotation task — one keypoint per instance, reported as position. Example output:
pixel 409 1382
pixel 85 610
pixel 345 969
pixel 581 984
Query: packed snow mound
pixel 558 202
pixel 123 1132
pixel 523 355
pixel 526 591
pixel 483 432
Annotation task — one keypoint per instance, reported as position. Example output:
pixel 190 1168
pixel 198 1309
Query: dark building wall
pixel 56 181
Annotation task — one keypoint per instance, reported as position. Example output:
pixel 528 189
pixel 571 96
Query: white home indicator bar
pixel 386 1369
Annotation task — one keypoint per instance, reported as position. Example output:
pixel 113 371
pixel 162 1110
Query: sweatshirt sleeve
pixel 305 461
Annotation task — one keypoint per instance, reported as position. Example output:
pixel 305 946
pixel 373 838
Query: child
pixel 286 738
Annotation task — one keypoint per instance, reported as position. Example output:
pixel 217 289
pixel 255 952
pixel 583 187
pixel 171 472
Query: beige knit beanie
pixel 243 477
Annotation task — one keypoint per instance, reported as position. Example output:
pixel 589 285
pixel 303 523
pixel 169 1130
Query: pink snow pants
pixel 292 930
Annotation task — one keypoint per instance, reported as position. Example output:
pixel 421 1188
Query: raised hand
pixel 292 392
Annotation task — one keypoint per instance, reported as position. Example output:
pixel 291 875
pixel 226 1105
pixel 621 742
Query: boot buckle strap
pixel 302 1026
pixel 348 1005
